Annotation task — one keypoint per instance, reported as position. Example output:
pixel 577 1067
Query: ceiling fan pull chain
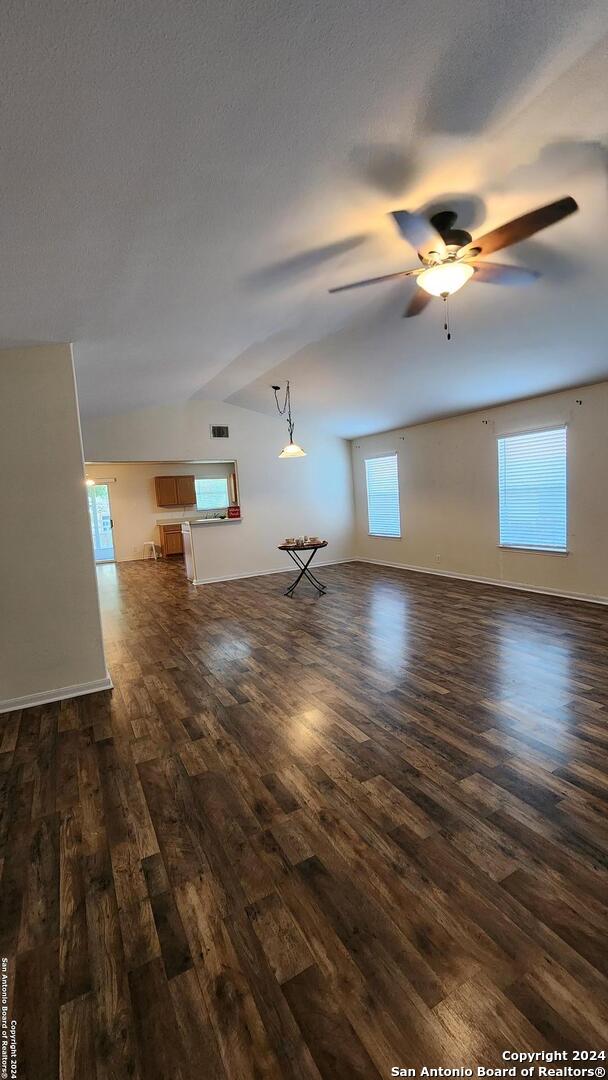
pixel 446 325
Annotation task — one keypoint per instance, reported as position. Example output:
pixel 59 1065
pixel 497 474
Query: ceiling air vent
pixel 219 431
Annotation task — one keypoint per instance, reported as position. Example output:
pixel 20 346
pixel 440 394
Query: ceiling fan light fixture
pixel 292 450
pixel 445 279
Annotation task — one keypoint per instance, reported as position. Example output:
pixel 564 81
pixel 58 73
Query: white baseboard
pixel 45 697
pixel 520 586
pixel 264 573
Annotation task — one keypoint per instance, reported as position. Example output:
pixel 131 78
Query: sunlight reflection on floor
pixel 389 629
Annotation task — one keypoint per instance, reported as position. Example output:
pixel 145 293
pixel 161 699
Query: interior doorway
pixel 101 522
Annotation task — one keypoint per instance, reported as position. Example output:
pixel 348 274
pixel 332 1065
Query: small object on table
pixel 293 549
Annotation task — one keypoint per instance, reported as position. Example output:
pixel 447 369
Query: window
pixel 382 477
pixel 532 490
pixel 211 494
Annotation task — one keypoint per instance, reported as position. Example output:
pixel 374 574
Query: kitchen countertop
pixel 198 521
pixel 211 521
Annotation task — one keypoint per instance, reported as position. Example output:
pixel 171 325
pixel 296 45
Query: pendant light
pixel 291 450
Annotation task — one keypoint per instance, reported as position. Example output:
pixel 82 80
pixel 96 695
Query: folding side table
pixel 293 550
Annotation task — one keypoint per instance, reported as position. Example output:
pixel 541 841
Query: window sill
pixel 533 551
pixel 381 536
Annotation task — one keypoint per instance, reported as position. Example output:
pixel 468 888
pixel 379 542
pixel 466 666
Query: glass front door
pixel 101 522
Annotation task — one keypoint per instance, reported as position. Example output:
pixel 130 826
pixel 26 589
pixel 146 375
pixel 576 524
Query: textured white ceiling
pixel 183 181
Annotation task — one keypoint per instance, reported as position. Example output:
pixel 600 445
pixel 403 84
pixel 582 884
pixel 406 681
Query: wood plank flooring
pixel 312 837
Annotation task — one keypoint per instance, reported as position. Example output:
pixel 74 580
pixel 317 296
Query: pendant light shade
pixel 291 450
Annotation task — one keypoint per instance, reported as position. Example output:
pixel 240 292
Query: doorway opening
pixel 101 522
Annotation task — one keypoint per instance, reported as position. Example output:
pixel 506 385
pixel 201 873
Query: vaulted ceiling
pixel 183 181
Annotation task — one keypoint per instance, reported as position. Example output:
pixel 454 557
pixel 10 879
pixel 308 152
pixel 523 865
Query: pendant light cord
pixel 285 408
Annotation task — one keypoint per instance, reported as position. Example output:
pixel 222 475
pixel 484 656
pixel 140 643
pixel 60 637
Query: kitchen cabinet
pixel 175 491
pixel 171 540
pixel 186 491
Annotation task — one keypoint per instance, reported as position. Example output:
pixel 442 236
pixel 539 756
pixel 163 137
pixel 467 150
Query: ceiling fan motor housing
pixel 454 239
pixel 457 238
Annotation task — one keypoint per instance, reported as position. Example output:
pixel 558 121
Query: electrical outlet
pixel 437 557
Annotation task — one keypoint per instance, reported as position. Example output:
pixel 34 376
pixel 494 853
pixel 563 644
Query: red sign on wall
pixel 234 511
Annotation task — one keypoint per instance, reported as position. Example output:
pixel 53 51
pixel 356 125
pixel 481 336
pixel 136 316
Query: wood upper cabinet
pixel 186 491
pixel 175 490
pixel 166 490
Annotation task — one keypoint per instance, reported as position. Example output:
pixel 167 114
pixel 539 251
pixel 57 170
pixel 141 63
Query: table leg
pixel 304 572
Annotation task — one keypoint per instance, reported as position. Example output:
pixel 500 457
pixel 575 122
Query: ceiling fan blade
pixel 417 304
pixel 375 280
pixel 522 227
pixel 499 274
pixel 419 232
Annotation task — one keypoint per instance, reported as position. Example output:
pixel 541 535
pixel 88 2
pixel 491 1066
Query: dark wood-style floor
pixel 311 838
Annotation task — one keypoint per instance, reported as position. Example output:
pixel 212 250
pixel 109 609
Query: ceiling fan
pixel 450 257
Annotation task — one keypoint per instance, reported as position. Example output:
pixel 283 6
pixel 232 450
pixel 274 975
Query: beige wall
pixel 449 497
pixel 278 498
pixel 133 499
pixel 50 634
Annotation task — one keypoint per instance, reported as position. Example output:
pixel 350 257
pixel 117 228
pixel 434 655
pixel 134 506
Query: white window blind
pixel 382 477
pixel 211 494
pixel 532 490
